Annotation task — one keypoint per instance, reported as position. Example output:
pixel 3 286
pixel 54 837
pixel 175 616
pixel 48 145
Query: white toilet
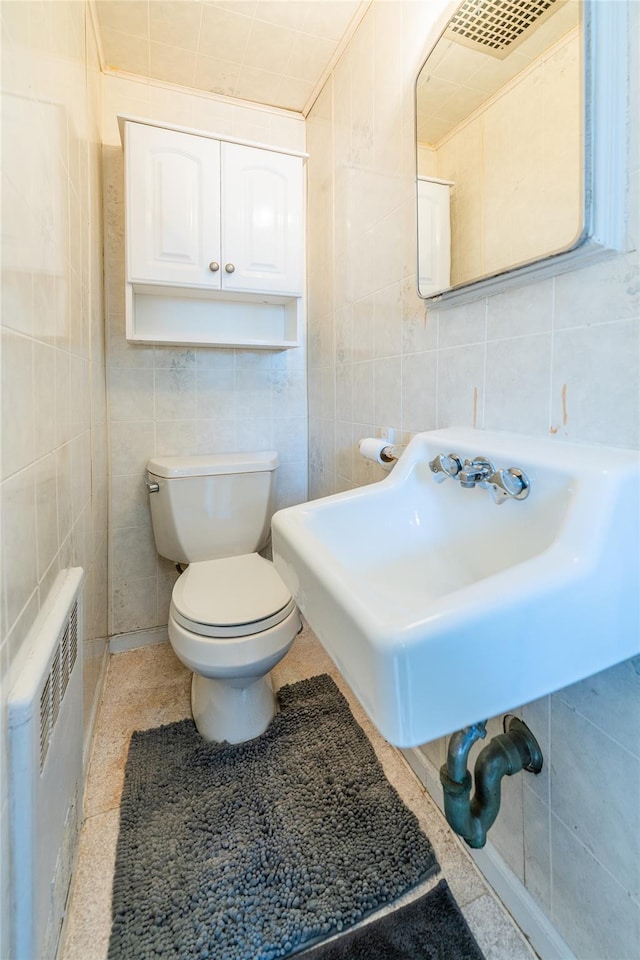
pixel 231 617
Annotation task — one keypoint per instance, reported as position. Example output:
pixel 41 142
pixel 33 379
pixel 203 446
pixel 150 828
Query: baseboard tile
pixel 535 925
pixel 137 638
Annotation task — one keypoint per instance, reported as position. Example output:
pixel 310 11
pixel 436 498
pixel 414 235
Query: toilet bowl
pixel 231 618
pixel 231 621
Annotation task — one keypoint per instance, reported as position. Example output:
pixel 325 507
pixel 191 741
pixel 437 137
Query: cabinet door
pixel 173 207
pixel 262 239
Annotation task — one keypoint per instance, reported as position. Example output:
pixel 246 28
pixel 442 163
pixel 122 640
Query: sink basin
pixel 441 607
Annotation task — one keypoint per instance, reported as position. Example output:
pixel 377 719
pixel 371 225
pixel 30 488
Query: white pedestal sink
pixel 441 607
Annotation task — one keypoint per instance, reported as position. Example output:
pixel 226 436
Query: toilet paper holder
pixel 379 450
pixel 392 452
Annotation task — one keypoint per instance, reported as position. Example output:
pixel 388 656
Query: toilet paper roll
pixel 371 449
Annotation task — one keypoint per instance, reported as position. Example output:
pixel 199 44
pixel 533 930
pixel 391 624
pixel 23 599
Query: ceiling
pixel 274 52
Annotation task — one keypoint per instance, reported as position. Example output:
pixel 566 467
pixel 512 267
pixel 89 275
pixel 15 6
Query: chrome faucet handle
pixel 445 465
pixel 509 484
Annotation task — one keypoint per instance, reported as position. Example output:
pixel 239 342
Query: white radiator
pixel 45 741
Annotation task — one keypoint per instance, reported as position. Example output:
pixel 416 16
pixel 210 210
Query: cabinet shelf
pixel 170 315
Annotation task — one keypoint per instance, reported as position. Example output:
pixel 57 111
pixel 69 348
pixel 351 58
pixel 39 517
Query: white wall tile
pixel 215 436
pixel 607 822
pixel 345 452
pixel 344 335
pixel 129 502
pixel 132 444
pixel 591 400
pixel 387 395
pixel 175 392
pixel 63 479
pixel 459 326
pixel 290 438
pixel 363 329
pixel 419 384
pixel 517 386
pixel 18 424
pixel 133 553
pixel 176 438
pixel 134 605
pixel 344 391
pixel 363 392
pixel 131 394
pixel 216 394
pixel 537 847
pixel 525 310
pixel 461 386
pixel 254 434
pixel 288 392
pixel 253 394
pixel 602 293
pixel 46 512
pixel 388 321
pixel 591 909
pixel 611 701
pixel 19 541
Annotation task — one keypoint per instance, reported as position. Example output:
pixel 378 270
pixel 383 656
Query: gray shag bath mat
pixel 257 850
pixel 429 928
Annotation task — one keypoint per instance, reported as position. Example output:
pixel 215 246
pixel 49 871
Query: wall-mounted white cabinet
pixel 215 244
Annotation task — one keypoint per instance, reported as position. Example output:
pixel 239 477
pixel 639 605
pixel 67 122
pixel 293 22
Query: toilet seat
pixel 230 597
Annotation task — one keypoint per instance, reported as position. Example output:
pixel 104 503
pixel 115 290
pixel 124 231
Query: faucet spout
pixel 476 472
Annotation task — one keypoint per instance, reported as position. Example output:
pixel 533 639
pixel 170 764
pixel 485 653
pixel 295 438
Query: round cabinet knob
pixel 229 267
pixel 214 267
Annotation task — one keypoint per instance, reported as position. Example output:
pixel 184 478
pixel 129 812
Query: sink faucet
pixel 509 484
pixel 476 472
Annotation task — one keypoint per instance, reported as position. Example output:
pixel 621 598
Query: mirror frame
pixel 606 144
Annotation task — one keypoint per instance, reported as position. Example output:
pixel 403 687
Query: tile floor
pixel 149 686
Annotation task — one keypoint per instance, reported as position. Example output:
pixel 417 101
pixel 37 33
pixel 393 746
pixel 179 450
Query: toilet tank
pixel 212 506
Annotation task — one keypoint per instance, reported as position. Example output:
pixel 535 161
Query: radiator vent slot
pixel 45 721
pixel 56 683
pixel 497 26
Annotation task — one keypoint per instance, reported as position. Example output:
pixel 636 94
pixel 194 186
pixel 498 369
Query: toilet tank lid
pixel 213 464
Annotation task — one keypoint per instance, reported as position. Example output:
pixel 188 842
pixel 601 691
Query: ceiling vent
pixel 497 26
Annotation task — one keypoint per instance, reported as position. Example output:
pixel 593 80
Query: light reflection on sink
pixel 441 608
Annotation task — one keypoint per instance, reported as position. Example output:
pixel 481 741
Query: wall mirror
pixel 516 142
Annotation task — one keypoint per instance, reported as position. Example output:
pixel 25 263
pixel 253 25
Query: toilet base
pixel 232 710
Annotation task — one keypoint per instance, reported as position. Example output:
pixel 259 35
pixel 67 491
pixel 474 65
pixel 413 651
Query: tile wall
pixel 185 400
pixel 53 481
pixel 556 358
